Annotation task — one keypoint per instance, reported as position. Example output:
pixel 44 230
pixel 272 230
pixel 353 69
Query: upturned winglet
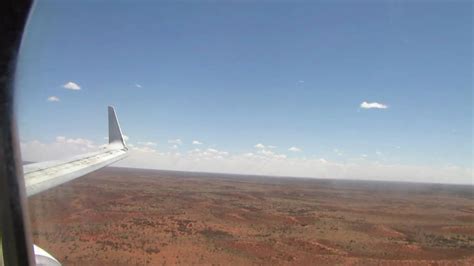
pixel 115 133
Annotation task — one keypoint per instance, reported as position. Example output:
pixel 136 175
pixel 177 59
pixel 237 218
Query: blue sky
pixel 232 75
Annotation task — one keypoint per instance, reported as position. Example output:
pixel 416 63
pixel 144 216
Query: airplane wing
pixel 45 175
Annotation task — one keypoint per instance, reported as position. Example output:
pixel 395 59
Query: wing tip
pixel 115 132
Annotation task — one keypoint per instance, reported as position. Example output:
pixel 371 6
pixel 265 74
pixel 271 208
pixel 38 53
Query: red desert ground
pixel 120 216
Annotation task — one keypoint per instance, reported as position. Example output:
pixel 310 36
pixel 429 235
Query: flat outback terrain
pixel 120 216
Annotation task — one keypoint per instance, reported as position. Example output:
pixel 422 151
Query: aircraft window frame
pixel 16 245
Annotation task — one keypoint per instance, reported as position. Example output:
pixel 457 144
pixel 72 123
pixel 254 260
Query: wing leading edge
pixel 45 175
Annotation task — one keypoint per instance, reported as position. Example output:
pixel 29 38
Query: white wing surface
pixel 45 175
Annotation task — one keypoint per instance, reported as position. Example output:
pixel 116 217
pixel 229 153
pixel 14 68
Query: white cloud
pixel 147 143
pixel 294 149
pixel 206 155
pixel 263 162
pixel 53 99
pixel 264 153
pixel 175 141
pixel 125 137
pixel 62 147
pixel 78 141
pixel 138 85
pixel 259 146
pixel 196 142
pixel 373 105
pixel 145 149
pixel 72 86
pixel 338 152
pixel 266 162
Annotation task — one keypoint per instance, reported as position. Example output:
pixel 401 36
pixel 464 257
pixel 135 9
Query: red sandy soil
pixel 120 216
